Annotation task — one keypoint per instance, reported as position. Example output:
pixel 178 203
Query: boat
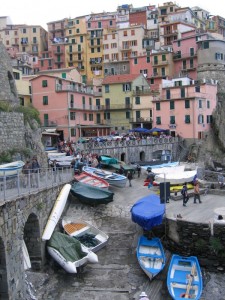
pixel 91 195
pixel 55 155
pixel 176 178
pixel 150 255
pixel 62 161
pixel 113 179
pixel 26 257
pixel 11 169
pixel 184 278
pixel 69 252
pixel 56 212
pixel 168 169
pixel 178 188
pixel 160 165
pixel 107 160
pixel 91 179
pixel 148 212
pixel 90 236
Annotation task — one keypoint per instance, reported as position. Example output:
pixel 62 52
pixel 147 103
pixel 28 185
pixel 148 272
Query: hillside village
pixel 153 66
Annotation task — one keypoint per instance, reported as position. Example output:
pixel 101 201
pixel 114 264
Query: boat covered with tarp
pixel 69 252
pixel 148 212
pixel 91 194
pixel 108 160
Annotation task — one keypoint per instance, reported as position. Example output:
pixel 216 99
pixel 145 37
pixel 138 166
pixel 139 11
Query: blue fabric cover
pixel 148 212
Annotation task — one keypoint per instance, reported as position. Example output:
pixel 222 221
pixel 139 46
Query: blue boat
pixel 184 278
pixel 148 212
pixel 150 255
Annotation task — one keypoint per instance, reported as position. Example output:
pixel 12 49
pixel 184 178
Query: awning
pixel 50 133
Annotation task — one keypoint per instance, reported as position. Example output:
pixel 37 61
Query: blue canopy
pixel 140 129
pixel 155 129
pixel 148 212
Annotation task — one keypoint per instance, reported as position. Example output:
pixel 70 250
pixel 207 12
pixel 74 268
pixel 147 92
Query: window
pixel 127 102
pixel 45 100
pixel 125 33
pixel 138 115
pixel 91 117
pixel 71 101
pixel 152 81
pixel 135 61
pixel 167 94
pixel 106 88
pixel 172 104
pixel 110 23
pixel 64 75
pixel 73 132
pixel 197 89
pixel 44 83
pixel 187 103
pixel 77 21
pixel 158 120
pixel 126 87
pixel 172 120
pixel 137 100
pixel 191 63
pixel 155 58
pixel 85 117
pixel 45 119
pixel 81 39
pixel 187 119
pixel 199 103
pixel 148 59
pixel 200 119
pixel 157 105
pixel 127 114
pixel 77 30
pixel 72 115
pixel 163 57
pixel 218 56
pixel 192 51
pixel 163 71
pixel 132 32
pixel 24 30
pixel 107 116
pixel 107 103
pixel 209 119
pixel 208 104
pixel 205 45
pixel 182 92
pixel 178 43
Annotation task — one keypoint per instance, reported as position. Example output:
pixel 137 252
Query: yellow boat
pixel 178 188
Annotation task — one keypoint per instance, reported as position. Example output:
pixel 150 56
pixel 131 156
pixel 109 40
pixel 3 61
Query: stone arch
pixel 3 273
pixel 32 240
pixel 12 84
pixel 142 156
pixel 123 156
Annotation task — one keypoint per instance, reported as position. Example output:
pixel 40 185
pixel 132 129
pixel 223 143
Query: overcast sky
pixel 41 12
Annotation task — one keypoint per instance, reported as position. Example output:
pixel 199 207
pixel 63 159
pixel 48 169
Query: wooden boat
pixel 91 179
pixel 184 278
pixel 56 212
pixel 11 169
pixel 113 179
pixel 150 255
pixel 92 195
pixel 90 236
pixel 176 178
pixel 69 252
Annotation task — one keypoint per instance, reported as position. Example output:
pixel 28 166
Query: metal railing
pixel 21 184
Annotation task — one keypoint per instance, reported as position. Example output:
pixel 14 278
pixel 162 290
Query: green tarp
pixel 69 247
pixel 107 160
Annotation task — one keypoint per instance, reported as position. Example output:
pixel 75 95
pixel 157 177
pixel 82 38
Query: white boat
pixel 26 257
pixel 170 169
pixel 11 169
pixel 113 179
pixel 55 155
pixel 175 178
pixel 83 230
pixel 56 212
pixel 69 253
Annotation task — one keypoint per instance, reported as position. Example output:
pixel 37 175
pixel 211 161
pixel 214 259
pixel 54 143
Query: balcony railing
pixel 141 120
pixel 88 107
pixel 118 106
pixel 48 123
pixel 142 92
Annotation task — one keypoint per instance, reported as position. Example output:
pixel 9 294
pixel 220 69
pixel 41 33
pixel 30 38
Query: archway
pixel 142 156
pixel 123 156
pixel 3 273
pixel 33 241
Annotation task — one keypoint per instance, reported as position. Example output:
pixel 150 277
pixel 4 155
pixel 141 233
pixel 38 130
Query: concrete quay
pixel 117 276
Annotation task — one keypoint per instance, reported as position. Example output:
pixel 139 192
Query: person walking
pixel 35 172
pixel 26 171
pixel 129 177
pixel 197 192
pixel 184 193
pixel 139 170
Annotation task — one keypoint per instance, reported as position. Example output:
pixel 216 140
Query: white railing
pixel 24 184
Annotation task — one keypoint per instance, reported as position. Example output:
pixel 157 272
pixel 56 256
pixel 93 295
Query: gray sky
pixel 43 11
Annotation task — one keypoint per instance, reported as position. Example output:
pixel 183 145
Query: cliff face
pixel 8 91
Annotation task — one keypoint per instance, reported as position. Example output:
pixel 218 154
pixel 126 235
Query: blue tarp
pixel 155 129
pixel 148 212
pixel 139 129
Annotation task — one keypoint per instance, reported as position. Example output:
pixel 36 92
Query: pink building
pixel 185 107
pixel 67 106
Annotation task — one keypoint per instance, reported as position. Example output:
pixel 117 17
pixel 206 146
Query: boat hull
pixel 85 228
pixel 113 179
pixel 90 194
pixel 175 178
pixel 184 278
pixel 91 179
pixel 150 255
pixel 11 169
pixel 56 212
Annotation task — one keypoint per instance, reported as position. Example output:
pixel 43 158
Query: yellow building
pixel 23 88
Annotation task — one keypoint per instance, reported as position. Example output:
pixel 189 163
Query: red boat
pixel 91 179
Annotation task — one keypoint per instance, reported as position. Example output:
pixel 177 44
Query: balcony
pixel 117 107
pixel 58 52
pixel 48 123
pixel 88 107
pixel 160 63
pixel 181 56
pixel 141 120
pixel 142 92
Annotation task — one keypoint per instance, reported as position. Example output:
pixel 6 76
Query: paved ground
pixel 118 276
